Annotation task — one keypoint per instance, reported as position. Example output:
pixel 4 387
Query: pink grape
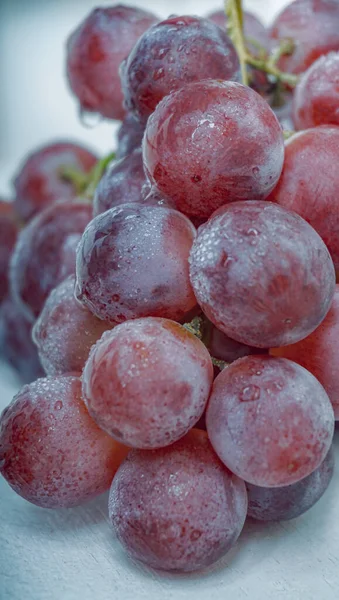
pixel 39 182
pixel 45 254
pixel 319 353
pixel 177 508
pixel 171 54
pixel 8 235
pixel 261 274
pixel 316 97
pixel 147 382
pixel 16 344
pixel 130 135
pixel 309 183
pixel 291 501
pixel 65 331
pixel 211 143
pixel 224 348
pixel 123 182
pixel 94 53
pixel 269 420
pixel 313 26
pixel 51 451
pixel 132 262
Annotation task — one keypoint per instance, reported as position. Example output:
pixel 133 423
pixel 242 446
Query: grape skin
pixel 224 348
pixel 51 451
pixel 123 182
pixel 285 503
pixel 130 135
pixel 319 353
pixel 313 26
pixel 39 182
pixel 261 274
pixel 309 182
pixel 94 53
pixel 269 420
pixel 45 254
pixel 177 51
pixel 177 508
pixel 211 143
pixel 132 262
pixel 8 235
pixel 316 97
pixel 16 344
pixel 65 331
pixel 147 382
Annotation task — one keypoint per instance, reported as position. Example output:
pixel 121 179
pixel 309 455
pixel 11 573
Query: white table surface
pixel 71 555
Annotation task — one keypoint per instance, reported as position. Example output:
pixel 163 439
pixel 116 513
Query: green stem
pixel 202 328
pixel 287 134
pixel 269 68
pixel 235 30
pixel 78 179
pixel 97 173
pixel 85 183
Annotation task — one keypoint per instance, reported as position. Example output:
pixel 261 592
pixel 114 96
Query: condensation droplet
pixel 89 119
pixel 250 393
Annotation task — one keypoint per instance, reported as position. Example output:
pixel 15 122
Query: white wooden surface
pixel 71 555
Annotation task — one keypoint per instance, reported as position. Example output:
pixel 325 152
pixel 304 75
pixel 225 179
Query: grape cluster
pixel 179 336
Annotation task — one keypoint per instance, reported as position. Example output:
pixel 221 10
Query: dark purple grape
pixel 171 54
pixel 130 135
pixel 8 235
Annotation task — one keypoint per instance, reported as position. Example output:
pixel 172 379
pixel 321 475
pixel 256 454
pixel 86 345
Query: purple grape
pixel 8 235
pixel 130 135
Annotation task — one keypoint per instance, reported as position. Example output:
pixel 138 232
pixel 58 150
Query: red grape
pixel 316 97
pixel 319 353
pixel 133 262
pixel 147 382
pixel 171 54
pixel 313 26
pixel 284 113
pixel 291 501
pixel 65 331
pixel 94 53
pixel 213 142
pixel 8 234
pixel 269 420
pixel 45 253
pixel 130 135
pixel 51 451
pixel 253 28
pixel 177 508
pixel 309 184
pixel 39 182
pixel 224 348
pixel 16 344
pixel 261 274
pixel 123 182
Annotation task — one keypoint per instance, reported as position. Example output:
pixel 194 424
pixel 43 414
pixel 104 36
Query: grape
pixel 313 26
pixel 284 113
pixel 130 135
pixel 269 420
pixel 39 182
pixel 171 54
pixel 223 347
pixel 319 353
pixel 8 234
pixel 309 184
pixel 65 331
pixel 213 142
pixel 51 451
pixel 316 97
pixel 177 508
pixel 147 382
pixel 45 254
pixel 122 183
pixel 291 501
pixel 261 274
pixel 94 53
pixel 16 345
pixel 253 29
pixel 133 262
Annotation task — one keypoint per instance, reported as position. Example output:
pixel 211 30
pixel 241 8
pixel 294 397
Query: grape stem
pixel 202 328
pixel 85 183
pixel 235 30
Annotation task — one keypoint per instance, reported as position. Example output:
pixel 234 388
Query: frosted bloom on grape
pixel 94 53
pixel 291 501
pixel 65 331
pixel 261 274
pixel 177 508
pixel 51 451
pixel 133 262
pixel 147 382
pixel 269 420
pixel 171 54
pixel 211 143
pixel 44 254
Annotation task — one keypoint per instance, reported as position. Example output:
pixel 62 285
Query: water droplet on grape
pixel 89 119
pixel 255 170
pixel 58 405
pixel 250 393
pixel 158 74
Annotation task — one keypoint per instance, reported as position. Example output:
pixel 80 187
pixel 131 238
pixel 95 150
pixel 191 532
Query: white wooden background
pixel 71 555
